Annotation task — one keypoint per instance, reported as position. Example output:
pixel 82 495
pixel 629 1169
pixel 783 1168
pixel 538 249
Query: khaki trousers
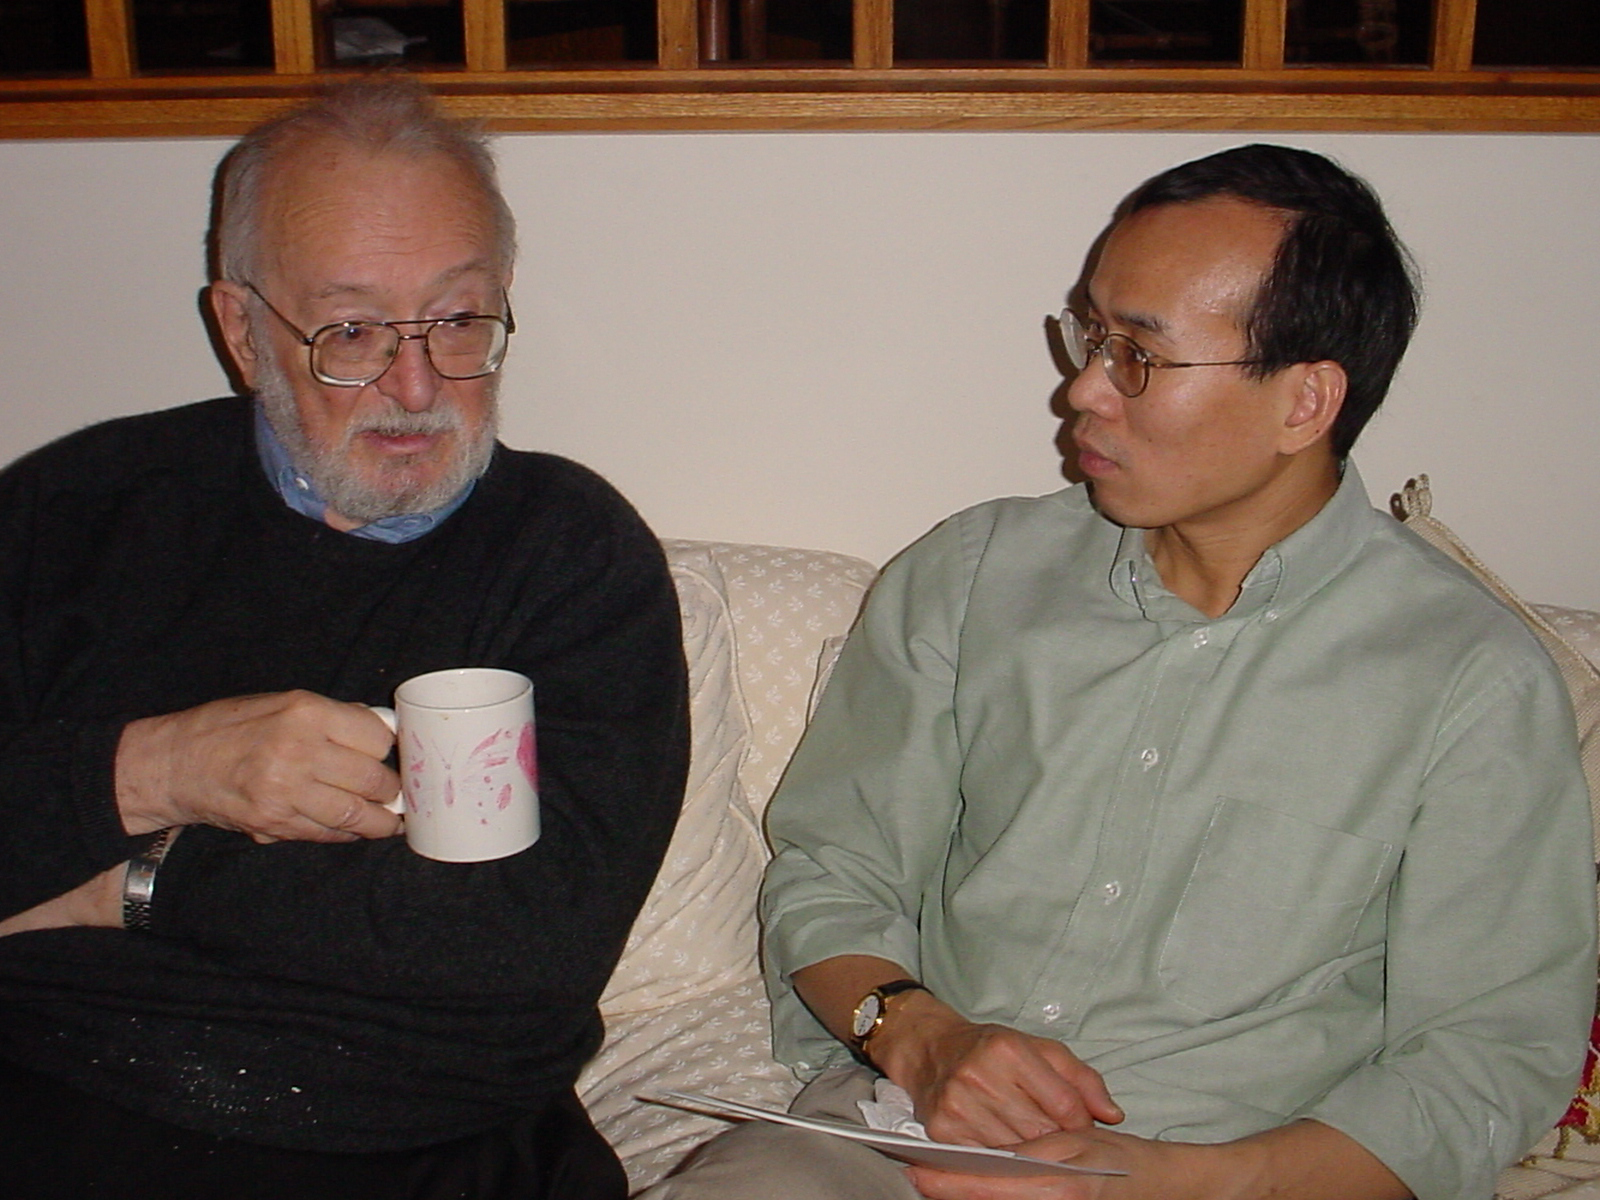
pixel 758 1160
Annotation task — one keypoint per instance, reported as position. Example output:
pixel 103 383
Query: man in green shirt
pixel 1199 822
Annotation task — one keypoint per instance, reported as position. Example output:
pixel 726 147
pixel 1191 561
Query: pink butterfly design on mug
pixel 483 779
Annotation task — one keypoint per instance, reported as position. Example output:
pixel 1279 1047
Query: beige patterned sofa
pixel 686 1008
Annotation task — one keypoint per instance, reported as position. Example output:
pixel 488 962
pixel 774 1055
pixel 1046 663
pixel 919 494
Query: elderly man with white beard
pixel 222 974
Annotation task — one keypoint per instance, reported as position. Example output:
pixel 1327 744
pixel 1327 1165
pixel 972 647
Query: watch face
pixel 867 1015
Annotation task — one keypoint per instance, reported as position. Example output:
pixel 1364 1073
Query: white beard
pixel 346 491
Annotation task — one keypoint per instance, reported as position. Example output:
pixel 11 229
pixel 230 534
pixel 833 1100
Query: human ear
pixel 1316 397
pixel 228 302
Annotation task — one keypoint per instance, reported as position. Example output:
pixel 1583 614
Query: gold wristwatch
pixel 871 1009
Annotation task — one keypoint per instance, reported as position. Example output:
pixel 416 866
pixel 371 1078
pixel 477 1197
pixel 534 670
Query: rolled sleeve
pixel 1490 970
pixel 864 813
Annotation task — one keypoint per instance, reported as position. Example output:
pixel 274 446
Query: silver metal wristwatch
pixel 140 886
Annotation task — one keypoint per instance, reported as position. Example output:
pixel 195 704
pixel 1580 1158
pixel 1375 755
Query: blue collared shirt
pixel 299 494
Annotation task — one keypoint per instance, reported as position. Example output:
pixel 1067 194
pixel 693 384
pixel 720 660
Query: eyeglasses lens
pixel 1075 339
pixel 359 352
pixel 353 352
pixel 466 348
pixel 1125 367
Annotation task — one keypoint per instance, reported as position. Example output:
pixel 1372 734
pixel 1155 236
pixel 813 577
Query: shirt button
pixel 1270 615
pixel 1150 757
pixel 1201 637
pixel 1051 1011
pixel 1112 890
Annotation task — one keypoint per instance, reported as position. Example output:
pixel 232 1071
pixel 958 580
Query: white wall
pixel 835 339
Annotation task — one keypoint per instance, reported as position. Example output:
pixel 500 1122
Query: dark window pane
pixel 372 33
pixel 1537 33
pixel 565 32
pixel 1166 31
pixel 970 30
pixel 1375 32
pixel 777 31
pixel 207 35
pixel 42 37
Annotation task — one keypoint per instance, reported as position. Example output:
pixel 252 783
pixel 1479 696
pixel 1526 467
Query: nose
pixel 1091 391
pixel 411 382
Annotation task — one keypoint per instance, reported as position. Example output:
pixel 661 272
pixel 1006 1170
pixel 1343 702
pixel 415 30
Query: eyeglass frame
pixel 1068 320
pixel 309 340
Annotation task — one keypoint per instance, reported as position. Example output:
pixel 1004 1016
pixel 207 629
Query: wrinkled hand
pixel 96 901
pixel 987 1085
pixel 289 766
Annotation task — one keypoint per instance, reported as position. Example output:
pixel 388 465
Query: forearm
pixel 832 988
pixel 95 902
pixel 915 1025
pixel 981 1084
pixel 142 778
pixel 1306 1160
pixel 1302 1161
pixel 59 824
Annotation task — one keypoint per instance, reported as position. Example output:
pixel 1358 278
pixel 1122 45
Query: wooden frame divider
pixel 294 37
pixel 696 84
pixel 1453 24
pixel 110 29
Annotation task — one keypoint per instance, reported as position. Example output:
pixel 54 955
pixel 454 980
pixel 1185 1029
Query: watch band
pixel 140 886
pixel 871 1009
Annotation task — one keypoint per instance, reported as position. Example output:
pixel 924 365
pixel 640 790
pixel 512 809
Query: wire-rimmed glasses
pixel 356 353
pixel 1128 364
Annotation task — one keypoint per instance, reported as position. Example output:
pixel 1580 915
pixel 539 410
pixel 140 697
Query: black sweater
pixel 337 997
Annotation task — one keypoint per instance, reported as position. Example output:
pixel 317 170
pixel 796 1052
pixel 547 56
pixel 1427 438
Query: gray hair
pixel 388 113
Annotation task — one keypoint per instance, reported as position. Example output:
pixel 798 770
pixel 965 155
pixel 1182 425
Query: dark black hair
pixel 1341 286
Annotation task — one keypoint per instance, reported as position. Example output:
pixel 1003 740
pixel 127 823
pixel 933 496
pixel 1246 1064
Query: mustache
pixel 407 424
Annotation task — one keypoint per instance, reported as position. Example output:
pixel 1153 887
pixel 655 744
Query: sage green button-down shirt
pixel 1327 855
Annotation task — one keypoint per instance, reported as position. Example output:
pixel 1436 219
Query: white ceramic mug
pixel 468 766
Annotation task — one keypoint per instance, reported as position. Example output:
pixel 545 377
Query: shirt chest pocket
pixel 1271 907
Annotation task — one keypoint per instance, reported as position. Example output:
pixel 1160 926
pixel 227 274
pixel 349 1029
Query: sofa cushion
pixel 719 1042
pixel 686 1008
pixel 697 931
pixel 784 603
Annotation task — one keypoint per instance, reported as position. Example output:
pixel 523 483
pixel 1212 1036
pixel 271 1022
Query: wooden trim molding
pixel 696 87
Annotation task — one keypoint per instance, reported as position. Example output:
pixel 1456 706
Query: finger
pixel 298 828
pixel 972 1121
pixel 1088 1083
pixel 359 728
pixel 1023 1087
pixel 355 773
pixel 974 1111
pixel 986 1099
pixel 337 811
pixel 1054 1096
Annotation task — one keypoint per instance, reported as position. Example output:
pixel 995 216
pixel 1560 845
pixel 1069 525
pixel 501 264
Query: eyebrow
pixel 1148 322
pixel 442 279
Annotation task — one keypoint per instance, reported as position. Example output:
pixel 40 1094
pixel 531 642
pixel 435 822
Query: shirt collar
pixel 299 494
pixel 1286 573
